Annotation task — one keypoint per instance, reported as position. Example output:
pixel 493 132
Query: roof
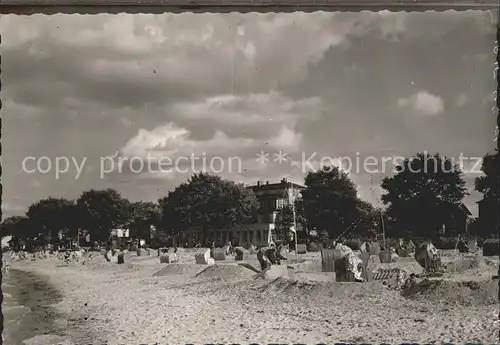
pixel 281 185
pixel 464 208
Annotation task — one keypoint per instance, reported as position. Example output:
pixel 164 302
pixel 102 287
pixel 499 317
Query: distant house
pixel 487 215
pixel 458 221
pixel 274 196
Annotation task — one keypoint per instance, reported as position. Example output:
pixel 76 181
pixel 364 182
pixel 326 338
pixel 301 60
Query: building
pixel 487 219
pixel 272 197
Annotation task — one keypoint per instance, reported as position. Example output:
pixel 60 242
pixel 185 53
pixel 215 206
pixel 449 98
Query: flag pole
pixel 379 204
pixel 383 227
pixel 295 235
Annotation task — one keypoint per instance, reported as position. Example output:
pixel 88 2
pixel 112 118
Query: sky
pixel 86 92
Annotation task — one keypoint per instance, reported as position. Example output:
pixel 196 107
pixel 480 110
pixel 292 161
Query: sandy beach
pixel 133 303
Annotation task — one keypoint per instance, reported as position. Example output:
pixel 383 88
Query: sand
pixel 133 303
pixel 445 291
pixel 227 271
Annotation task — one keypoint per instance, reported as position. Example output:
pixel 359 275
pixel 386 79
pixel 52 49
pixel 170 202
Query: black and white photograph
pixel 252 178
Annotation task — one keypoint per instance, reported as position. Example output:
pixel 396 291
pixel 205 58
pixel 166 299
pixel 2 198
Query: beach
pixel 143 301
pixel 28 316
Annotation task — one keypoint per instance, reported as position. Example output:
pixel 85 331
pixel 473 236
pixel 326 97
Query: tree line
pixel 417 202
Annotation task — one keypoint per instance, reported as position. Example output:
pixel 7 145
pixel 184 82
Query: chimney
pixel 267 182
pixel 258 183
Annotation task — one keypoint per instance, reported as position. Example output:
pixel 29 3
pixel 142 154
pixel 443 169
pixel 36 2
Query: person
pixel 6 259
pixel 263 259
pixel 271 254
pixel 279 253
pixel 212 249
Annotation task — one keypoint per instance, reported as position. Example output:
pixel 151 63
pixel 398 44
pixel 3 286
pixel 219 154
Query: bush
pixel 445 243
pixel 353 243
pixel 491 247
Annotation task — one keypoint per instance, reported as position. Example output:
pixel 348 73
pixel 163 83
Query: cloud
pixel 232 85
pixel 237 123
pixel 11 207
pixel 128 60
pixel 255 115
pixel 423 102
pixel 242 126
pixel 471 167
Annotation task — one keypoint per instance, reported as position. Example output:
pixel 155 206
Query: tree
pixel 144 214
pixel 300 217
pixel 208 202
pixel 488 186
pixel 18 227
pixel 52 215
pixel 11 226
pixel 369 220
pixel 103 210
pixel 330 200
pixel 424 193
pixel 284 222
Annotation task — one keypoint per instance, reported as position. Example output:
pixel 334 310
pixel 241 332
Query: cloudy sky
pixel 148 87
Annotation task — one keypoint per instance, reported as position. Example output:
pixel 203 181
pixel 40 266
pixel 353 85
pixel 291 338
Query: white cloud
pixel 423 102
pixel 250 109
pixel 172 141
pixel 274 115
pixel 86 84
pixel 11 208
pixel 472 166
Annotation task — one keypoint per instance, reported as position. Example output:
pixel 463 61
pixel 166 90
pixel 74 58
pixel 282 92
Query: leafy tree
pixel 11 225
pixel 284 222
pixel 423 194
pixel 330 200
pixel 103 210
pixel 369 220
pixel 300 217
pixel 488 186
pixel 51 215
pixel 144 214
pixel 208 202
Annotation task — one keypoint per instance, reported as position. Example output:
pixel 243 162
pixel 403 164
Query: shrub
pixel 491 247
pixel 353 243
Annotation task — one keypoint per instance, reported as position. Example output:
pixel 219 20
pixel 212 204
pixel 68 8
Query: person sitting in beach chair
pixel 428 257
pixel 267 256
pixel 281 252
pixel 67 256
pixel 263 259
pixel 271 254
pixel 349 268
pixel 228 248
